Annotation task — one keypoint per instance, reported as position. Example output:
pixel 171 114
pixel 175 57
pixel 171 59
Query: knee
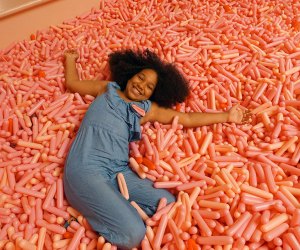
pixel 133 235
pixel 150 209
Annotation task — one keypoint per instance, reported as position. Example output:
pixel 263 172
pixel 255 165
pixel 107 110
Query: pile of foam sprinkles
pixel 236 185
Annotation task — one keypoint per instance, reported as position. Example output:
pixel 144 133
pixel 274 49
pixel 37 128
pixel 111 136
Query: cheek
pixel 149 93
pixel 126 87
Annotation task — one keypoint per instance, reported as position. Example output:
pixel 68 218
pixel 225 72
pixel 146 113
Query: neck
pixel 123 96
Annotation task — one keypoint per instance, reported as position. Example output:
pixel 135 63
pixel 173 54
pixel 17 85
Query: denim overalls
pixel 98 153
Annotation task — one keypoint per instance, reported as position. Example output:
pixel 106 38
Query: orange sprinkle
pixel 296 25
pixel 223 105
pixel 32 37
pixel 191 244
pixel 41 73
pixel 227 8
pixel 68 235
pixel 177 107
pixel 149 164
pixel 138 159
pixel 10 125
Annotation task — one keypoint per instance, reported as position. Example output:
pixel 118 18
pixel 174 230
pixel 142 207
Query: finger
pixel 248 112
pixel 246 116
pixel 71 51
pixel 247 119
pixel 250 115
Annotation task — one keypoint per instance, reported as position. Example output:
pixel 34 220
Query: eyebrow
pixel 151 83
pixel 148 82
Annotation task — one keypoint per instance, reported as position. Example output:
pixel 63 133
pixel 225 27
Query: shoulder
pixel 146 105
pixel 113 85
pixel 106 86
pixel 154 106
pixel 150 115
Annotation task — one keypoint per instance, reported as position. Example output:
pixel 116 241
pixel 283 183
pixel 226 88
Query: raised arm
pixel 196 119
pixel 74 84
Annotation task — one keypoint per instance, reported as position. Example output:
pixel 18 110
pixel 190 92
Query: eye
pixel 150 87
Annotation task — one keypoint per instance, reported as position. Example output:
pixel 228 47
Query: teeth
pixel 136 90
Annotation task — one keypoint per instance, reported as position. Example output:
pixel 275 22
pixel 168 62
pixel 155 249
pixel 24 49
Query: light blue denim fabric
pixel 98 153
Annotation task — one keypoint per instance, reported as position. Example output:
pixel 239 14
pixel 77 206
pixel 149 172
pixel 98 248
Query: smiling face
pixel 141 86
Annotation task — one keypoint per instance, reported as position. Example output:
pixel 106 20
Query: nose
pixel 140 85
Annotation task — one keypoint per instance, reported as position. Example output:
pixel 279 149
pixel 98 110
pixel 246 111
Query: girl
pixel 143 90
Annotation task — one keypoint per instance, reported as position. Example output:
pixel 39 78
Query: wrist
pixel 70 59
pixel 226 116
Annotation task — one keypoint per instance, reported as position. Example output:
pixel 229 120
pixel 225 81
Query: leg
pixel 143 193
pixel 105 209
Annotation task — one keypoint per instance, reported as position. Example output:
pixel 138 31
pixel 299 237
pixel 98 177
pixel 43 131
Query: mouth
pixel 136 91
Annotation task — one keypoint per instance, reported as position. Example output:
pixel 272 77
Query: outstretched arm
pixel 196 119
pixel 74 84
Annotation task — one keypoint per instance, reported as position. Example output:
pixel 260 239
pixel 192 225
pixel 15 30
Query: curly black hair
pixel 171 87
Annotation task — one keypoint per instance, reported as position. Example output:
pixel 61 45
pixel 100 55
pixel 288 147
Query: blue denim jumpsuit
pixel 98 153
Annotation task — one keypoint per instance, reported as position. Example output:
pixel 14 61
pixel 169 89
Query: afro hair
pixel 171 87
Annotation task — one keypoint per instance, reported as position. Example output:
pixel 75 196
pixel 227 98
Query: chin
pixel 135 98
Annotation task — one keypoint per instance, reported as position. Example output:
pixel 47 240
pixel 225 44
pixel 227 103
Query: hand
pixel 238 115
pixel 71 53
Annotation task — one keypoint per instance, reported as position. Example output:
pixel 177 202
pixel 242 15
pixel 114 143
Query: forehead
pixel 150 74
